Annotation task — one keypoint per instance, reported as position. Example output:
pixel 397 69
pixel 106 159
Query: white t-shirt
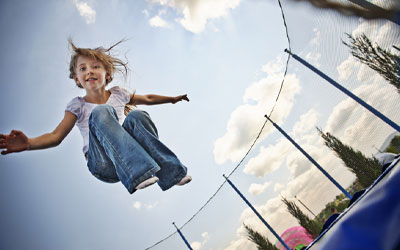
pixel 82 110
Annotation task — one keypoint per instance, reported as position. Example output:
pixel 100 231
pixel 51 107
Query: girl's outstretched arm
pixel 17 141
pixel 156 99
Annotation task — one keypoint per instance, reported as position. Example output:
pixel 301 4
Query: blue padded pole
pixel 347 92
pixel 310 158
pixel 182 236
pixel 258 215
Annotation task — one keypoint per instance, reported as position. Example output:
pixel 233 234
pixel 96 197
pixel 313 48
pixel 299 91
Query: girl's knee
pixel 137 115
pixel 102 112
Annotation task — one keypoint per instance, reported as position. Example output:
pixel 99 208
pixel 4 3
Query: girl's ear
pixel 108 78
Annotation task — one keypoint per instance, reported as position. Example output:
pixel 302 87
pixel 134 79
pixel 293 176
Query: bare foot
pixel 147 183
pixel 185 180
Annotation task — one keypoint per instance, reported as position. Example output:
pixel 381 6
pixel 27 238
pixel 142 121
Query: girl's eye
pixel 97 66
pixel 82 69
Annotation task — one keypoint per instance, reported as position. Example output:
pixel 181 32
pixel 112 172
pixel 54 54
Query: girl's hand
pixel 180 98
pixel 16 141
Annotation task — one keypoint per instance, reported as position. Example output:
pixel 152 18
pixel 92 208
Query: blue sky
pixel 228 57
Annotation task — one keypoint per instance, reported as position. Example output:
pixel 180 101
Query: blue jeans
pixel 130 153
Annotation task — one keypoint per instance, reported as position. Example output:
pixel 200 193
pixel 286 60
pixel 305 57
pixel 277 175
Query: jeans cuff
pixel 132 183
pixel 173 182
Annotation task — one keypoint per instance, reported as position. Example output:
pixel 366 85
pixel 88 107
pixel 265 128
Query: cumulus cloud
pixel 350 122
pixel 307 122
pixel 311 186
pixel 359 127
pixel 273 156
pixel 196 13
pixel 316 40
pixel 305 180
pixel 297 163
pixel 256 189
pixel 157 21
pixel 346 68
pixel 139 205
pixel 86 11
pixel 314 56
pixel 246 120
pixel 278 187
pixel 269 159
pixel 197 245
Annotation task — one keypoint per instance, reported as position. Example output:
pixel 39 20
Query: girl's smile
pixel 90 73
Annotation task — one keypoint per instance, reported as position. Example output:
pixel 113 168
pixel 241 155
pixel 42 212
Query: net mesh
pixel 317 32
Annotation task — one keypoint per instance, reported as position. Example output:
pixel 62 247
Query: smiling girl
pixel 116 147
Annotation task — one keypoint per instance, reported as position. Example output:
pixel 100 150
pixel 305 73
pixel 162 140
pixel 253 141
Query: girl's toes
pixel 184 180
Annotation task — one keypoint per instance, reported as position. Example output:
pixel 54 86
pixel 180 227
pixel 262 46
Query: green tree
pixel 261 241
pixel 366 169
pixel 394 146
pixel 378 59
pixel 312 227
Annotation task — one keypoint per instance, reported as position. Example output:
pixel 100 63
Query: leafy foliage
pixel 366 169
pixel 312 227
pixel 382 61
pixel 261 241
pixel 394 146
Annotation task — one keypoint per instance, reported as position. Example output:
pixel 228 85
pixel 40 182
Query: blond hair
pixel 111 64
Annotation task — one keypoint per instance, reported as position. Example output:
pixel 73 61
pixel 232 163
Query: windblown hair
pixel 110 63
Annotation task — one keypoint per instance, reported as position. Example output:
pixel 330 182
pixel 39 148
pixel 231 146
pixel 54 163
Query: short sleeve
pixel 75 107
pixel 123 94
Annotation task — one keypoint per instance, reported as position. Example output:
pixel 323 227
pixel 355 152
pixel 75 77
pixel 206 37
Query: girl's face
pixel 90 73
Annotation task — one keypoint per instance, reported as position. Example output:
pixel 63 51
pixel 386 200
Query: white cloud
pixel 357 126
pixel 246 120
pixel 349 121
pixel 346 68
pixel 196 13
pixel 241 242
pixel 146 13
pixel 314 56
pixel 86 11
pixel 311 186
pixel 308 122
pixel 306 181
pixel 272 157
pixel 150 206
pixel 137 205
pixel 157 21
pixel 269 159
pixel 196 245
pixel 316 40
pixel 278 187
pixel 256 189
pixel 297 163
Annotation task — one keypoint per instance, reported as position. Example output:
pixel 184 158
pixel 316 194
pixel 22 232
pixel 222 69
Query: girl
pixel 117 148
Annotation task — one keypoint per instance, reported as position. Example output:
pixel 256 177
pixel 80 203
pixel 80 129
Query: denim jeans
pixel 130 153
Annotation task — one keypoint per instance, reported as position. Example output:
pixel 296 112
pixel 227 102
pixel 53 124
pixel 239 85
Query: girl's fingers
pixel 4 152
pixel 184 97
